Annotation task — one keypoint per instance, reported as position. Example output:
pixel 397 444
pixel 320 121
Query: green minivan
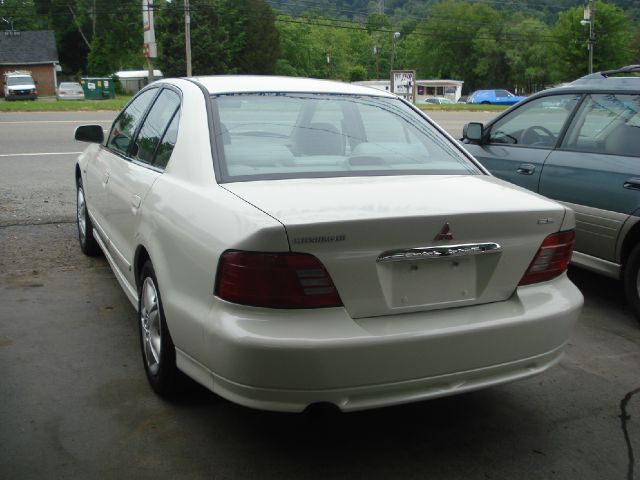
pixel 579 144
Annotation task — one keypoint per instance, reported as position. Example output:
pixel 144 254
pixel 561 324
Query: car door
pixel 502 98
pixel 516 145
pixel 114 153
pixel 132 178
pixel 596 170
pixel 99 169
pixel 96 176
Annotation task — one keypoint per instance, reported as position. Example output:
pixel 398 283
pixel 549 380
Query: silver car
pixel 69 91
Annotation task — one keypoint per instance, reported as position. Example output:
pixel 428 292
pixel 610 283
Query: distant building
pixel 32 51
pixel 134 80
pixel 424 88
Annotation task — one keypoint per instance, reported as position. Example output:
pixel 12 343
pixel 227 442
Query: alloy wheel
pixel 150 322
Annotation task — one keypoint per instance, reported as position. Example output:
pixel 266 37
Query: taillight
pixel 275 280
pixel 552 258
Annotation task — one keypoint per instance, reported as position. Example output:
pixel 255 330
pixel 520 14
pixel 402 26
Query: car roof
pixel 221 84
pixel 602 81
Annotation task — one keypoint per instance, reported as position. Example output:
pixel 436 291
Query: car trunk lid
pixel 411 243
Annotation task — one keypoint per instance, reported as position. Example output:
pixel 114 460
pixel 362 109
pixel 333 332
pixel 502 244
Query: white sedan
pixel 288 242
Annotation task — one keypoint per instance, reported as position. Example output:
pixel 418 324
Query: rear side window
pixel 125 125
pixel 155 125
pixel 168 142
pixel 535 124
pixel 606 123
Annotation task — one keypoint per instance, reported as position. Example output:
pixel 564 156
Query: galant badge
pixel 445 233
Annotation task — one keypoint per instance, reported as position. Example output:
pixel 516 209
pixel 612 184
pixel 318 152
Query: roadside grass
pixel 50 104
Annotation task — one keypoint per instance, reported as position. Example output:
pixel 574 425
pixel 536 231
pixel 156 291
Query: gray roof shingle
pixel 29 47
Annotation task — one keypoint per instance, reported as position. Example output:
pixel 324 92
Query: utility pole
pixel 394 37
pixel 592 34
pixel 590 18
pixel 187 35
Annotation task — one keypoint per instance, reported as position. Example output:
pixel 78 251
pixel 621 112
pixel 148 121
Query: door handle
pixel 632 183
pixel 526 169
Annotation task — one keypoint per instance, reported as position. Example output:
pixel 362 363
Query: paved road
pixel 75 403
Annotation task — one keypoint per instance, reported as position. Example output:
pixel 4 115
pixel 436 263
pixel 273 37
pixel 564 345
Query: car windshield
pixel 19 80
pixel 292 135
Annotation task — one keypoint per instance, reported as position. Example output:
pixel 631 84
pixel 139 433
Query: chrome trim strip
pixel 597 265
pixel 422 253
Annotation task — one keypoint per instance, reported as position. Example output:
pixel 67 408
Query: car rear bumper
pixel 287 360
pixel 70 97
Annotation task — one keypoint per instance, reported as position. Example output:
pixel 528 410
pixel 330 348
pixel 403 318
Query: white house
pixel 134 80
pixel 424 88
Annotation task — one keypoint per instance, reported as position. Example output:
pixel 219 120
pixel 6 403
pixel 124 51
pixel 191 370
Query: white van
pixel 19 85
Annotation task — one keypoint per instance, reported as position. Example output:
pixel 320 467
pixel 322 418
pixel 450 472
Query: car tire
pixel 631 279
pixel 158 351
pixel 88 243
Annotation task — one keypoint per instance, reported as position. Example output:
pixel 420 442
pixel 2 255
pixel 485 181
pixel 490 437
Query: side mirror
pixel 473 131
pixel 90 133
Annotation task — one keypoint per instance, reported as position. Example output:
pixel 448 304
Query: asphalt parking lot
pixel 75 402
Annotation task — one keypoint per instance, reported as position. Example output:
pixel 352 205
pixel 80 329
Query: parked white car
pixel 288 242
pixel 69 91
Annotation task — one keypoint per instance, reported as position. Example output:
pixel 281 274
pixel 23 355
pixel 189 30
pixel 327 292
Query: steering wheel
pixel 537 135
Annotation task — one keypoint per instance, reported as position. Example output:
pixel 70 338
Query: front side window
pixel 290 135
pixel 125 125
pixel 606 123
pixel 155 124
pixel 537 123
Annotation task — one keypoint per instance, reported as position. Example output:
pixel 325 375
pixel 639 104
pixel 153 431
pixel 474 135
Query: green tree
pixel 331 48
pixel 208 39
pixel 450 39
pixel 109 33
pixel 226 37
pixel 613 45
pixel 252 24
pixel 21 15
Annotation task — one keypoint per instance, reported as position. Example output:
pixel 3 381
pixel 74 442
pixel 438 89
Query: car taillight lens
pixel 552 258
pixel 275 280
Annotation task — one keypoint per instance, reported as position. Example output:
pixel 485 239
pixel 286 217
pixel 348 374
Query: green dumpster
pixel 98 88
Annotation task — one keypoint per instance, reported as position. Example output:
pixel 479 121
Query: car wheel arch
pixel 630 241
pixel 140 258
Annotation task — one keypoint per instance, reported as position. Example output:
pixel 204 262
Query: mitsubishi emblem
pixel 445 233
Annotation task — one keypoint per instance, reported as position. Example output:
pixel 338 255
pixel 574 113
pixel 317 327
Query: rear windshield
pixel 19 80
pixel 274 136
pixel 70 85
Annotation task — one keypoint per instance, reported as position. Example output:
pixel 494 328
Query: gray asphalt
pixel 75 402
